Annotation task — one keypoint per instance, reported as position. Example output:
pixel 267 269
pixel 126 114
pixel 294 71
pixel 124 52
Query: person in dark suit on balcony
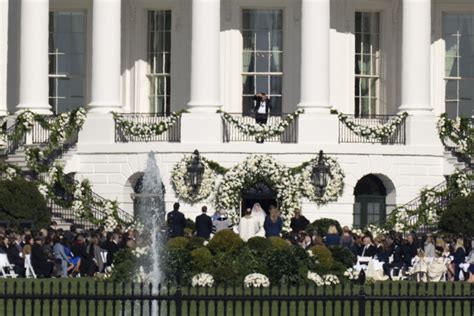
pixel 203 224
pixel 262 108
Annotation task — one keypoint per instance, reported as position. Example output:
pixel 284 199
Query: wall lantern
pixel 195 172
pixel 320 174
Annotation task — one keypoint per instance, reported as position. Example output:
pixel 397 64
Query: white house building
pixel 369 59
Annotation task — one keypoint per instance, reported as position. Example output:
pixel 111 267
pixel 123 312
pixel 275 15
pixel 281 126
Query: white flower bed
pixel 380 131
pixel 202 280
pixel 328 279
pixel 352 274
pixel 256 280
pixel 183 189
pixel 146 130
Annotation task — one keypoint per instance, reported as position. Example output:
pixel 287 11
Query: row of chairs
pixel 8 270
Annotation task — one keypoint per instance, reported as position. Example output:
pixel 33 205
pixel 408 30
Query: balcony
pixel 231 133
pixel 398 137
pixel 123 135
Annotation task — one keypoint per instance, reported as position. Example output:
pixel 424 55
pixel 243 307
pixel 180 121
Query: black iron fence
pixel 348 136
pixel 78 297
pixel 173 134
pixel 13 142
pixel 231 132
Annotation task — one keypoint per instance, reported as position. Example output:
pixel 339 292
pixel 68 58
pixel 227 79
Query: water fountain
pixel 151 211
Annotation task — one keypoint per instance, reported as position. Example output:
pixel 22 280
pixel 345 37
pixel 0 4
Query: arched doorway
pixel 370 201
pixel 137 190
pixel 261 193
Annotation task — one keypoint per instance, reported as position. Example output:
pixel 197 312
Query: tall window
pixel 366 63
pixel 262 32
pixel 159 60
pixel 459 64
pixel 67 43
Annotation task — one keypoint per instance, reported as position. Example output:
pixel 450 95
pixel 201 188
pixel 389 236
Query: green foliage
pixel 459 217
pixel 225 241
pixel 20 201
pixel 279 243
pixel 304 260
pixel 322 225
pixel 259 245
pixel 124 266
pixel 282 265
pixel 250 262
pixel 196 242
pixel 190 224
pixel 343 256
pixel 177 243
pixel 324 256
pixel 178 261
pixel 225 268
pixel 202 259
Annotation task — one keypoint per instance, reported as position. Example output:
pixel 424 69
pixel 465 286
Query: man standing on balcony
pixel 262 108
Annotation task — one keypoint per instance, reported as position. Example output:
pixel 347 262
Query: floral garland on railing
pixel 146 130
pixel 3 130
pixel 261 131
pixel 428 212
pixel 458 131
pixel 380 132
pixel 334 187
pixel 258 168
pixel 182 187
pixel 41 160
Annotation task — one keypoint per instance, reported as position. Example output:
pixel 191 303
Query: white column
pixel 416 57
pixel 315 46
pixel 205 81
pixel 3 56
pixel 99 127
pixel 34 86
pixel 106 49
pixel 205 57
pixel 314 85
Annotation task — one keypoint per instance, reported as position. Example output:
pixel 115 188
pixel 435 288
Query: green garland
pixel 379 132
pixel 458 131
pixel 261 131
pixel 146 130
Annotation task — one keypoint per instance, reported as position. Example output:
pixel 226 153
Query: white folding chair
pixel 7 269
pixel 30 272
pixel 362 263
pixel 103 256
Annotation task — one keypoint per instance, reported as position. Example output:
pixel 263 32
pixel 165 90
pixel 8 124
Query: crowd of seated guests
pixel 55 252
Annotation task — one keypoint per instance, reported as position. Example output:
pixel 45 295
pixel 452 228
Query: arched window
pixel 261 193
pixel 370 205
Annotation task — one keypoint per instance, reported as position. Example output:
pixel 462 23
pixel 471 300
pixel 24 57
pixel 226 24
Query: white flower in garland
pixel 379 131
pixel 141 251
pixel 335 185
pixel 352 274
pixel 146 130
pixel 26 119
pixel 262 131
pixel 256 280
pixel 10 173
pixel 330 279
pixel 316 278
pixel 202 280
pixel 43 189
pixel 183 189
pixel 458 131
pixel 258 168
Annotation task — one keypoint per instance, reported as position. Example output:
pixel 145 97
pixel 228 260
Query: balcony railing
pixel 397 138
pixel 231 133
pixel 173 134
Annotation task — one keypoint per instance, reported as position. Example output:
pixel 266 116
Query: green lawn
pixel 91 297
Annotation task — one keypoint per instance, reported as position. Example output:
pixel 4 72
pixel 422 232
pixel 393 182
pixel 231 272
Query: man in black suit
pixel 262 108
pixel 203 224
pixel 41 265
pixel 176 222
pixel 112 246
pixel 369 249
pixel 14 256
pixel 88 266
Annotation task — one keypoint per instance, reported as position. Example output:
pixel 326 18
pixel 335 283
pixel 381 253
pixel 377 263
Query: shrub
pixel 177 243
pixel 225 241
pixel 305 261
pixel 177 261
pixel 20 202
pixel 224 268
pixel 124 266
pixel 250 262
pixel 282 265
pixel 322 225
pixel 202 259
pixel 324 256
pixel 343 255
pixel 458 218
pixel 196 242
pixel 259 245
pixel 279 243
pixel 190 224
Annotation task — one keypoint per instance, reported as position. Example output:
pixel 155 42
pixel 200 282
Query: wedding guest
pixel 368 249
pixel 15 254
pixel 203 224
pixel 248 225
pixel 438 268
pixel 41 265
pixel 112 246
pixel 221 222
pixel 273 223
pixel 429 248
pixel 410 249
pixel 176 222
pixel 61 255
pixel 259 213
pixel 332 237
pixel 88 266
pixel 459 256
pixel 298 222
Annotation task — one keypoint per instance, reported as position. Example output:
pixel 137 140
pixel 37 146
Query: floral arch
pixel 254 169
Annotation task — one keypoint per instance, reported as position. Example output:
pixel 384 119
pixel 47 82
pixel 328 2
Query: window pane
pixel 451 45
pixel 452 109
pixel 276 62
pixel 63 22
pixel 248 82
pixel 451 89
pixel 450 24
pixel 248 62
pixel 275 84
pixel 276 104
pixel 263 41
pixel 249 40
pixel 77 22
pixel 262 84
pixel 263 62
pixel 77 64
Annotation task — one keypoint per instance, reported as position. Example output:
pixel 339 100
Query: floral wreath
pixel 182 188
pixel 253 169
pixel 458 131
pixel 261 131
pixel 380 131
pixel 335 184
pixel 146 130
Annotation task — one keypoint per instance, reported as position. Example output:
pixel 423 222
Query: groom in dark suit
pixel 203 224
